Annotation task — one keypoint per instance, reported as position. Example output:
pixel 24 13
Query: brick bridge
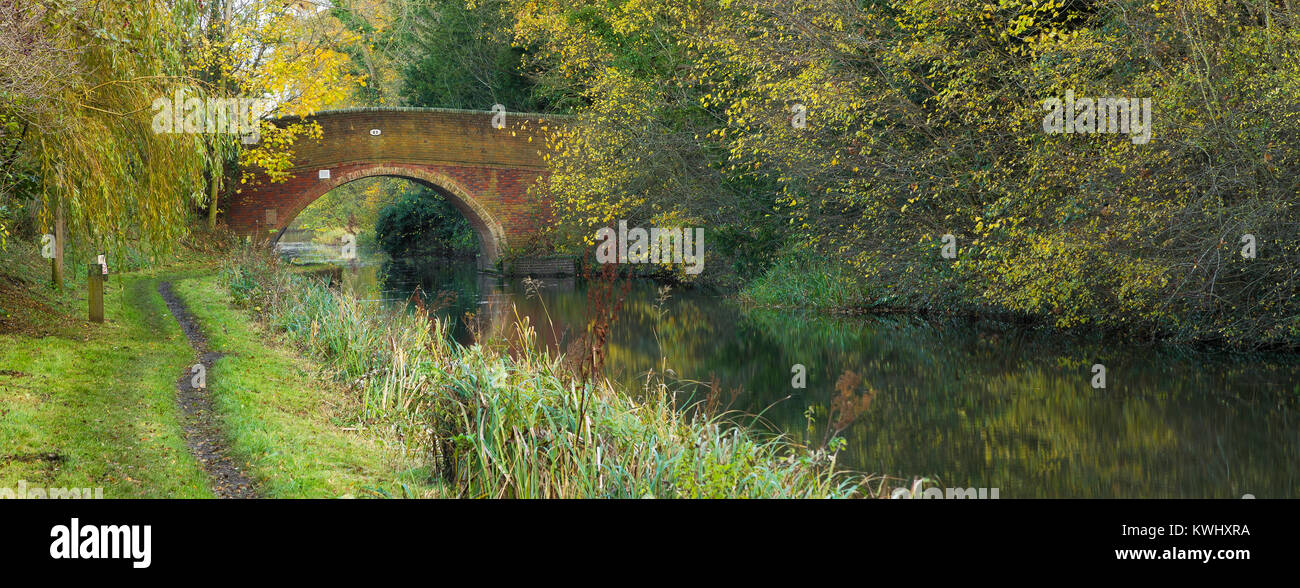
pixel 484 171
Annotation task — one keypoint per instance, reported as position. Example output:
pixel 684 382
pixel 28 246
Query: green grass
pixel 102 397
pixel 103 400
pixel 288 425
pixel 803 280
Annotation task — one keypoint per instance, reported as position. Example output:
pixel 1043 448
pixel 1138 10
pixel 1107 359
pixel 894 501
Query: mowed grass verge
pixel 291 426
pixel 86 405
pixel 93 405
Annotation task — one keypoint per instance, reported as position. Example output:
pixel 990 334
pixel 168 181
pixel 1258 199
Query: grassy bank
pixel 800 279
pixel 90 405
pixel 294 430
pixel 492 422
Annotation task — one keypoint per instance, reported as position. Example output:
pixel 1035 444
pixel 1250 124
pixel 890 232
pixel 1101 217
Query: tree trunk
pixel 58 243
pixel 212 203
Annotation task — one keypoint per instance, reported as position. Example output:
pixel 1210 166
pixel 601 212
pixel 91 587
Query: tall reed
pixel 499 425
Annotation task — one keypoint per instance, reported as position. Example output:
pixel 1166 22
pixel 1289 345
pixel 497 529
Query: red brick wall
pixel 486 172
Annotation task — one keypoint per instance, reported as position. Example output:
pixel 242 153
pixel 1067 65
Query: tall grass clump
pixel 805 280
pixel 521 424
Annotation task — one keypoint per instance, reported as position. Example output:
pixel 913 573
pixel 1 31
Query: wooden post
pixel 96 282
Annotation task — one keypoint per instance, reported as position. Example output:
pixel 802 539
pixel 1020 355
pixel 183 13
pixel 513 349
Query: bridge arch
pixel 491 236
pixel 487 164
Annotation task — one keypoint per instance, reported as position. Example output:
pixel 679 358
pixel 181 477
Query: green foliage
pixel 86 134
pixel 924 118
pixel 460 55
pixel 354 205
pixel 640 148
pixel 78 84
pixel 422 222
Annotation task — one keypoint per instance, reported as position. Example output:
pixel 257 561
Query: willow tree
pixel 101 167
pixel 81 80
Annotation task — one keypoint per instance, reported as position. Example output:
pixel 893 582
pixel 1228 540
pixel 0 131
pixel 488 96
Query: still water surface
pixel 967 405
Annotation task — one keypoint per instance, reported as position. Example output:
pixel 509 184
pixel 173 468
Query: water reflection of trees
pixel 452 288
pixel 1014 409
pixel 974 406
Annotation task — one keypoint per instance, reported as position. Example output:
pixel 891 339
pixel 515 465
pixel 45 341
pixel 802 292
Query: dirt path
pixel 203 433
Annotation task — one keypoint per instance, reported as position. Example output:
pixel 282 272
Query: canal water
pixel 967 405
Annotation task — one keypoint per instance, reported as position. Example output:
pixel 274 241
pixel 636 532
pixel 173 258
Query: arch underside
pixel 491 236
